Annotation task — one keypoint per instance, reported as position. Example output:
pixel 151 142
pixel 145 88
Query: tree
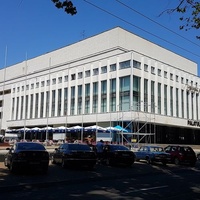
pixel 190 10
pixel 66 5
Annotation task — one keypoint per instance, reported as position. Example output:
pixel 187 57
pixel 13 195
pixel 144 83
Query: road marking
pixel 146 189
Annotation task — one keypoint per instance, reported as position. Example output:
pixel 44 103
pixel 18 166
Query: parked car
pixel 152 154
pixel 114 154
pixel 27 155
pixel 74 154
pixel 181 154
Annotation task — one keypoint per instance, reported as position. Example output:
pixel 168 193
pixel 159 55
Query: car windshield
pixel 118 147
pixel 156 149
pixel 30 146
pixel 78 147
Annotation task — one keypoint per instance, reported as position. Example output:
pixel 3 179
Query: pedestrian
pixel 99 148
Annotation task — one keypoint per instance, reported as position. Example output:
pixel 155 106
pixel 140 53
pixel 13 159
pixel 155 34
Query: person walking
pixel 99 149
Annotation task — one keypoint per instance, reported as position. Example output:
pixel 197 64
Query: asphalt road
pixel 139 182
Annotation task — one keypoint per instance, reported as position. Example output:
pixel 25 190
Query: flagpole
pixel 4 79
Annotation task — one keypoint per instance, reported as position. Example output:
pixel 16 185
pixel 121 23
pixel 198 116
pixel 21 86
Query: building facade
pixel 114 78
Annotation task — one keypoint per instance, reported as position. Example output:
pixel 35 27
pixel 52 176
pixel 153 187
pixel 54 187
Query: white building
pixel 112 78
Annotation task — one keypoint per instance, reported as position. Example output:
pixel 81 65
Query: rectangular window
pixel 145 95
pixel 187 103
pixel 53 105
pixel 113 67
pixel 159 98
pixel 112 95
pixel 59 101
pixel 152 96
pixel 26 107
pixel 171 77
pixel 152 70
pixel 72 107
pixel 87 73
pixel 47 103
pixel 31 107
pixel 165 74
pixel 42 105
pixel 36 104
pixel 42 84
pixel 95 71
pixel 13 109
pixel 136 64
pixel 177 102
pixel 124 64
pixel 80 75
pixel 80 102
pixel 95 97
pixel 165 99
pixel 182 103
pixel 103 96
pixel 59 79
pixel 66 78
pixel 104 69
pixel 159 72
pixel 87 98
pixel 73 77
pixel 17 109
pixel 22 107
pixel 146 68
pixel 171 101
pixel 65 101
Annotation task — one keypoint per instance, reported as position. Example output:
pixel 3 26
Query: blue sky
pixel 30 28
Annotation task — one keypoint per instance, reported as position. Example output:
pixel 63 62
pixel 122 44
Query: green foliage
pixel 66 5
pixel 190 10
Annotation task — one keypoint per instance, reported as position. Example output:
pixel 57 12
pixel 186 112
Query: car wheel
pixel 176 161
pixel 63 163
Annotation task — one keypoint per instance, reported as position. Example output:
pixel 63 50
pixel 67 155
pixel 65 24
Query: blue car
pixel 152 154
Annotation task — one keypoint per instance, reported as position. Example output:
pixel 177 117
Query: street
pixel 141 181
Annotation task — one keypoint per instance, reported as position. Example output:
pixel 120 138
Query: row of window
pixel 56 102
pixel 122 65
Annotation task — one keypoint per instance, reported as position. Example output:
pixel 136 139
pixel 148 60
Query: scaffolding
pixel 143 126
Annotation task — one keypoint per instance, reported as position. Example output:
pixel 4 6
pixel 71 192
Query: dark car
pixel 114 154
pixel 181 154
pixel 152 154
pixel 74 154
pixel 27 155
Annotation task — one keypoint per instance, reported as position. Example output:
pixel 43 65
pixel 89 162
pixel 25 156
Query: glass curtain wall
pixel 136 93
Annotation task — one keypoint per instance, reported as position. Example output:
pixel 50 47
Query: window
pixel 171 77
pixel 152 70
pixel 22 88
pixel 104 69
pixel 124 64
pixel 182 80
pixel 59 79
pixel 176 78
pixel 17 89
pixel 186 81
pixel 136 64
pixel 32 86
pixel 66 78
pixel 48 82
pixel 37 85
pixel 165 74
pixel 80 75
pixel 95 71
pixel 87 73
pixel 146 67
pixel 42 84
pixel 53 81
pixel 113 67
pixel 159 72
pixel 73 77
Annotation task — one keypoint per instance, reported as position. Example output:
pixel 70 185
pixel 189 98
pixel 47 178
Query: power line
pixel 139 27
pixel 157 23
